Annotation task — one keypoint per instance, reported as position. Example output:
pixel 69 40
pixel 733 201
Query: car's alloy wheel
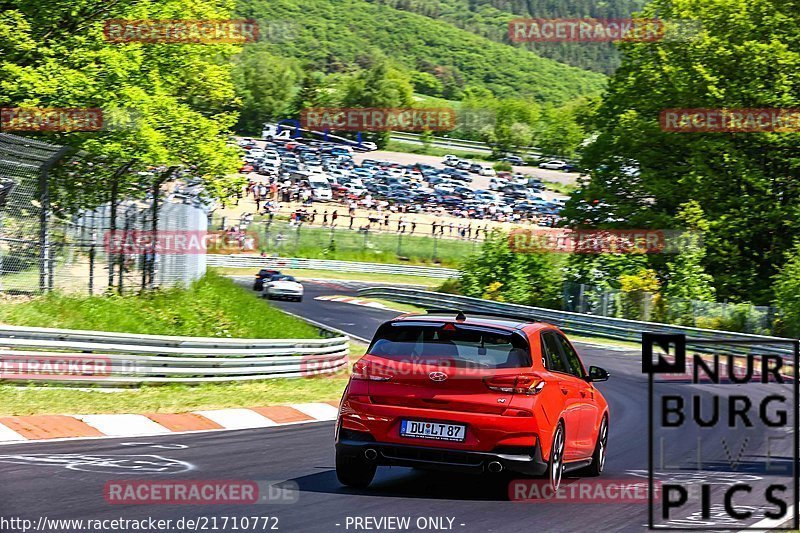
pixel 602 441
pixel 557 458
pixel 595 468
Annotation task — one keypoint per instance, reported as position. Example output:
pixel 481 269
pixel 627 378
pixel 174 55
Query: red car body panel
pixel 495 420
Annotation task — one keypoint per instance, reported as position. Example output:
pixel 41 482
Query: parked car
pixel 514 160
pixel 553 165
pixel 285 287
pixel 497 183
pixel 515 190
pixel 454 392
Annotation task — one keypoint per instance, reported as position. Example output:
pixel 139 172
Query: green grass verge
pixel 410 148
pixel 213 306
pixel 561 188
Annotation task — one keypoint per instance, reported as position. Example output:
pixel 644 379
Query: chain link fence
pixel 649 307
pixel 61 211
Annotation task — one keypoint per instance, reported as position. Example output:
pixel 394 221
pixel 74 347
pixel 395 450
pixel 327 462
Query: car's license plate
pixel 432 430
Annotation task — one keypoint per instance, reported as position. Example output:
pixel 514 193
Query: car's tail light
pixel 516 384
pixel 362 370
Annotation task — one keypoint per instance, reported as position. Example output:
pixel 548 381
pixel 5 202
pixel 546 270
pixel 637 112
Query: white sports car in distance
pixel 283 287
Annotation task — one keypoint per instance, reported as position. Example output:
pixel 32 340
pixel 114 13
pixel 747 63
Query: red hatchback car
pixel 474 394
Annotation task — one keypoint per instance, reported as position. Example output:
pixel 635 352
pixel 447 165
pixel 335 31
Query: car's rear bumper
pixel 445 459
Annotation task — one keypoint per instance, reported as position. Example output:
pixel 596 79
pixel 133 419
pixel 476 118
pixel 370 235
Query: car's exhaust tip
pixel 495 467
pixel 371 454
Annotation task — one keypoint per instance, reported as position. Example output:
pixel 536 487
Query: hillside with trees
pixel 338 36
pixel 489 18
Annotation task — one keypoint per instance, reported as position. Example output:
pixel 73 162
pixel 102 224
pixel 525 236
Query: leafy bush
pixel 497 273
pixel 450 286
pixel 639 294
pixel 502 166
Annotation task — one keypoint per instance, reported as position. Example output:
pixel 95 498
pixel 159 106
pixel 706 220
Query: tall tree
pixel 742 54
pixel 179 97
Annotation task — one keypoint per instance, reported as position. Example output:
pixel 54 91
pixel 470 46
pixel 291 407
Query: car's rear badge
pixel 437 376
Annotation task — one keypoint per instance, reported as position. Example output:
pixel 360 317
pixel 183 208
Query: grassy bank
pixel 303 273
pixel 411 148
pixel 313 242
pixel 211 307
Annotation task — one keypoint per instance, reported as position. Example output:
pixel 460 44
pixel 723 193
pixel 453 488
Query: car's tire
pixel 298 299
pixel 599 455
pixel 555 465
pixel 354 471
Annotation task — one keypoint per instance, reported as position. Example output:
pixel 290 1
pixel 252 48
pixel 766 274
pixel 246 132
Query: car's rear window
pixel 454 344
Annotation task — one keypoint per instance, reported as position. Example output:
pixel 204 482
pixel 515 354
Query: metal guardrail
pixel 589 325
pixel 73 357
pixel 256 261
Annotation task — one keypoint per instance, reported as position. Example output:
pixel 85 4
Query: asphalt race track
pixel 66 479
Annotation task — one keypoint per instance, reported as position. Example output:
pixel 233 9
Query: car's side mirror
pixel 597 374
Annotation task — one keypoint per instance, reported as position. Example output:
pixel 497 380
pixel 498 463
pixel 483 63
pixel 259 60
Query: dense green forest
pixel 341 35
pixel 489 18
